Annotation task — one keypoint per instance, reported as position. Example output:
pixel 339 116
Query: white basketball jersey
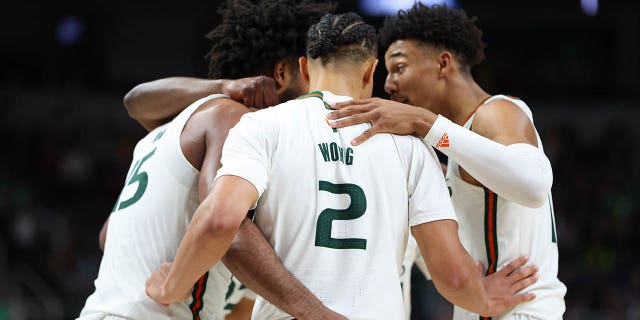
pixel 337 215
pixel 495 231
pixel 145 228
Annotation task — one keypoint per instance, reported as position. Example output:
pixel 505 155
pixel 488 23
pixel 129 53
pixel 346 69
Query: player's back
pixel 337 215
pixel 145 228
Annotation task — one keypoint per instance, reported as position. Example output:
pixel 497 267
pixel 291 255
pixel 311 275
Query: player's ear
pixel 445 61
pixel 281 73
pixel 304 68
pixel 370 69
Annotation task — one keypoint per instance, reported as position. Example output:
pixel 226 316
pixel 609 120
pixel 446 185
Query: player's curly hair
pixel 252 37
pixel 341 35
pixel 440 26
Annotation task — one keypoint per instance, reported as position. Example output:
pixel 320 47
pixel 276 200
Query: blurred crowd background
pixel 67 140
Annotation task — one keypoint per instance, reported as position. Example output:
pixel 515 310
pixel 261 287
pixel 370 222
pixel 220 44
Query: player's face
pixel 413 74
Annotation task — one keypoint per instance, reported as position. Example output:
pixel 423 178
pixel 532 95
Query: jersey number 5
pixel 141 177
pixel 356 209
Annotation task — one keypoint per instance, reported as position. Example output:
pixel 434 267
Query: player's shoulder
pixel 501 109
pixel 220 111
pixel 223 106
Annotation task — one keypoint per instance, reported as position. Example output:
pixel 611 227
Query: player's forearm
pixel 466 291
pixel 198 252
pixel 208 237
pixel 456 277
pixel 156 102
pixel 252 260
pixel 519 172
pixel 452 269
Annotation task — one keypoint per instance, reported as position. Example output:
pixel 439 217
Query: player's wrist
pixel 486 303
pixel 171 293
pixel 314 310
pixel 423 120
pixel 421 128
pixel 223 86
pixel 165 294
pixel 438 127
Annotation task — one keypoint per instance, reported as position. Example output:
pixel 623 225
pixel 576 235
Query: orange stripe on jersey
pixel 490 232
pixel 198 292
pixel 474 110
pixel 491 239
pixel 493 247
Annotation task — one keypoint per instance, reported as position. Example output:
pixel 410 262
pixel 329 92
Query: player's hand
pixel 254 92
pixel 384 115
pixel 155 287
pixel 502 286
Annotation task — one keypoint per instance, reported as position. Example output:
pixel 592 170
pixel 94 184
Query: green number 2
pixel 355 210
pixel 141 177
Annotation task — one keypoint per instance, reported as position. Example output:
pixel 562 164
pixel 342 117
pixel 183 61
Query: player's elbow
pixel 536 191
pixel 454 279
pixel 536 200
pixel 131 100
pixel 221 221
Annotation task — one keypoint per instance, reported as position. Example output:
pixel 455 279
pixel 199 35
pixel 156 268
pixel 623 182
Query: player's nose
pixel 390 85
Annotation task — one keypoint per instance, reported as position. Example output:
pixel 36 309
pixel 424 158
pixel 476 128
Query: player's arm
pixel 422 266
pixel 208 237
pixel 500 153
pixel 157 102
pixel 102 236
pixel 457 278
pixel 453 271
pixel 252 260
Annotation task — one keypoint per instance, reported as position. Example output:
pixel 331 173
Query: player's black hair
pixel 341 35
pixel 440 26
pixel 252 36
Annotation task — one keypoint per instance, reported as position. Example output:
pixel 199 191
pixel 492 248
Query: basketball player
pixel 172 170
pixel 337 221
pixel 498 174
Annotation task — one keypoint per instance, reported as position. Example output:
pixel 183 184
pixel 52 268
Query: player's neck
pixel 339 84
pixel 463 98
